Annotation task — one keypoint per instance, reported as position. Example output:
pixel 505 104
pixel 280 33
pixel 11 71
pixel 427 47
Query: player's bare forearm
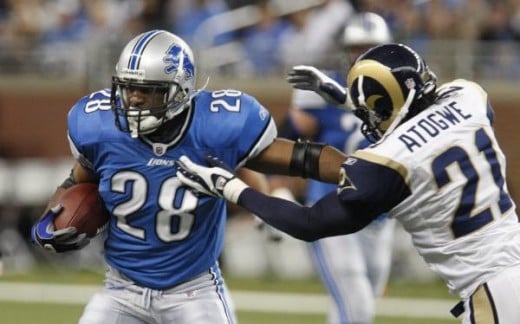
pixel 78 174
pixel 330 164
pixel 254 179
pixel 53 200
pixel 276 159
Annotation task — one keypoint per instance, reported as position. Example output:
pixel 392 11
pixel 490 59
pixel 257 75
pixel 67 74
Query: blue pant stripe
pixel 329 281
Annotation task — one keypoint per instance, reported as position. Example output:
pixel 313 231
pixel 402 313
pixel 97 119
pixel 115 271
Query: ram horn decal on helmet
pixel 388 84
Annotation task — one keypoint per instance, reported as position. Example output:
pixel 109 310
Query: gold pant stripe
pixel 482 307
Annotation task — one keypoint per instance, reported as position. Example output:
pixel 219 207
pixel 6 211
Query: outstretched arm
pixel 308 160
pixel 328 217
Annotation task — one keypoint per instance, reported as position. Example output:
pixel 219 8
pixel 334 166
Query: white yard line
pixel 244 300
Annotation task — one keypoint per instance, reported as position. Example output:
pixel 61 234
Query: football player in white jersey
pixel 435 165
pixel 163 241
pixel 354 268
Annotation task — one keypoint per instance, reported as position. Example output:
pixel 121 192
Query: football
pixel 83 209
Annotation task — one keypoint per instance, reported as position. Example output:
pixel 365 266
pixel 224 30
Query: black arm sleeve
pixel 328 217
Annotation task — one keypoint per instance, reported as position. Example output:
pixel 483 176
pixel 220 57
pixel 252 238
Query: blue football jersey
pixel 160 233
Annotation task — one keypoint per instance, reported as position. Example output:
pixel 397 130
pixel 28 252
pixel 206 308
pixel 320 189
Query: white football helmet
pixel 366 29
pixel 161 66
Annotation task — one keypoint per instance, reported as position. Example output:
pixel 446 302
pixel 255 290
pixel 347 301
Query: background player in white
pixel 354 268
pixel 163 241
pixel 435 166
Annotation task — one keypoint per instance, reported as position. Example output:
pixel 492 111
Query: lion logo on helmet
pixel 177 57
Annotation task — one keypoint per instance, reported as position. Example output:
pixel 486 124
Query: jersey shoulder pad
pixel 463 88
pixel 231 108
pixel 467 95
pixel 88 118
pixel 378 157
pixel 373 182
pixel 231 118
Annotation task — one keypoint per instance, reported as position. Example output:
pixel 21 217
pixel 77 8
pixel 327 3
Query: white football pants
pixel 496 301
pixel 355 270
pixel 202 300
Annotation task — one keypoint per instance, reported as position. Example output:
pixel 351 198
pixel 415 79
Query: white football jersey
pixel 441 174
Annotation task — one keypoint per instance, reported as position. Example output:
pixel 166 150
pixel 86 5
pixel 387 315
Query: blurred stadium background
pixel 53 52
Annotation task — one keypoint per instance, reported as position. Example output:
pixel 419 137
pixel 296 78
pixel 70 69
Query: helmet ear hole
pixel 428 87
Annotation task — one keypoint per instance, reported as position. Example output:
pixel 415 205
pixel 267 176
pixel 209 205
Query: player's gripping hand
pixel 46 236
pixel 310 78
pixel 217 180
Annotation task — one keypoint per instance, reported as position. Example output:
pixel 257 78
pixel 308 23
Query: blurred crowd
pixel 251 37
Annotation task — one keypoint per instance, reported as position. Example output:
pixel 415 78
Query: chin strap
pixel 402 113
pixel 136 126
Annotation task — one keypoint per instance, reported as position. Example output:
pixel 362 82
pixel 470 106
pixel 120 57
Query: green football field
pixel 28 312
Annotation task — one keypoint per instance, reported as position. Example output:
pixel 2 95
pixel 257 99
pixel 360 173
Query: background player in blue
pixel 163 241
pixel 355 267
pixel 435 165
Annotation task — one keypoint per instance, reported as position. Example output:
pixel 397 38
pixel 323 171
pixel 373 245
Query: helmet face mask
pixel 154 82
pixel 154 104
pixel 386 85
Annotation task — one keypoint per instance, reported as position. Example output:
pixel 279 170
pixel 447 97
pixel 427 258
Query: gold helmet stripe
pixel 381 73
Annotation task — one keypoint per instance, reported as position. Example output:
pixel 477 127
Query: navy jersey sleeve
pixel 366 190
pixel 370 188
pixel 327 217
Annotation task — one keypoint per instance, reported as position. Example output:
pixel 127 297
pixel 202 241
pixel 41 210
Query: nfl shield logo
pixel 159 149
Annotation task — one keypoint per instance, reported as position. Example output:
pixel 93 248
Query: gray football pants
pixel 202 300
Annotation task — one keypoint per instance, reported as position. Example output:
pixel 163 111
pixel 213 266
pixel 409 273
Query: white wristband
pixel 233 189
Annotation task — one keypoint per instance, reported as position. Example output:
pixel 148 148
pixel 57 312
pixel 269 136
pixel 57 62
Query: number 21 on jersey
pixel 473 212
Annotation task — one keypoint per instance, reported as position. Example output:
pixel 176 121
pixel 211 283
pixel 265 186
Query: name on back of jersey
pixel 432 125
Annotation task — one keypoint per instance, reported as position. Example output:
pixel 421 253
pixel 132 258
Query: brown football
pixel 83 209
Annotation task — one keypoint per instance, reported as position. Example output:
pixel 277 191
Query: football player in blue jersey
pixel 354 268
pixel 163 240
pixel 435 165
